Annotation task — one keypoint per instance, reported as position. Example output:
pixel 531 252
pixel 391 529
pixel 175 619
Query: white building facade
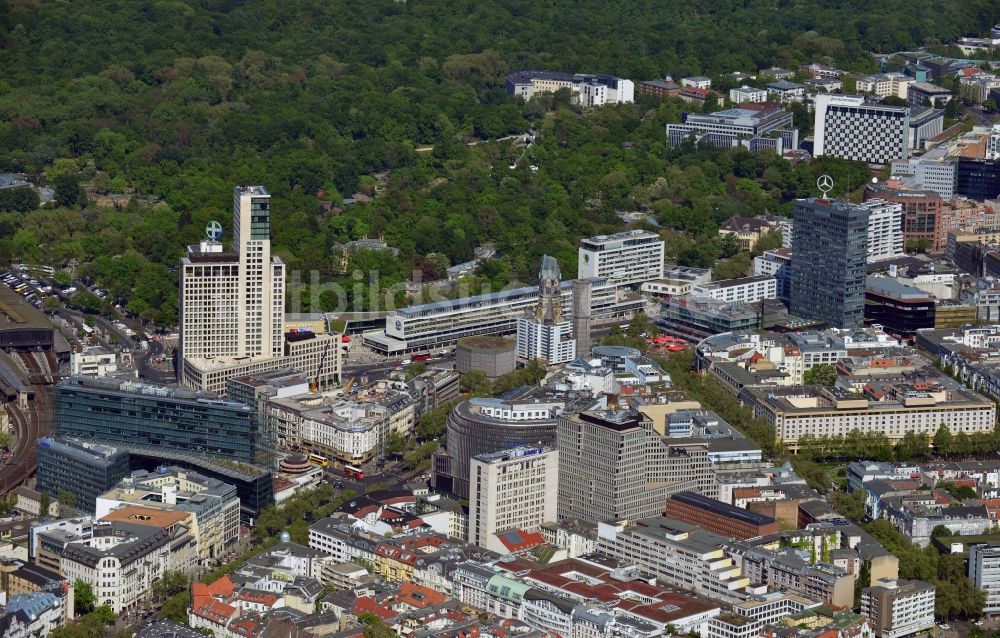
pixel 551 343
pixel 232 306
pixel 885 230
pixel 747 94
pixel 625 258
pixel 742 290
pixel 511 489
pixel 984 570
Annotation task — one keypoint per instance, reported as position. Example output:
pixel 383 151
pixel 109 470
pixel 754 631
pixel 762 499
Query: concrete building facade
pixel 514 489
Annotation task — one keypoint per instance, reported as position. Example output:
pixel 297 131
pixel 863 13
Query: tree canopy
pixel 403 103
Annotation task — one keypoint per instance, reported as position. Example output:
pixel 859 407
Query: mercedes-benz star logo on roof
pixel 213 230
pixel 825 184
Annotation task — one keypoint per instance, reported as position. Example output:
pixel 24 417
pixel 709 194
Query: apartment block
pixel 677 553
pixel 121 561
pixel 898 608
pixel 781 571
pixel 885 229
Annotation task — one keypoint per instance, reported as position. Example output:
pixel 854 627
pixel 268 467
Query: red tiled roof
pixel 519 540
pixel 366 604
pixel 665 606
pixel 222 587
pixel 419 596
pixel 213 611
pixel 245 627
pixel 261 597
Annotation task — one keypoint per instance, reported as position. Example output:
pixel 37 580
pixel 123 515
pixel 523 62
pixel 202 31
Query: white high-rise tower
pixel 233 303
pixel 261 277
pixel 232 308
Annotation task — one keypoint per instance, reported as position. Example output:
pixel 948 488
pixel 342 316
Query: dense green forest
pixel 178 101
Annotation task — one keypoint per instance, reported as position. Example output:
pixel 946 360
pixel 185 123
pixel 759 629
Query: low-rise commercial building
pixel 718 517
pixel 926 94
pixel 443 323
pixel 768 128
pixel 694 319
pixel 746 290
pixel 901 310
pixel 94 361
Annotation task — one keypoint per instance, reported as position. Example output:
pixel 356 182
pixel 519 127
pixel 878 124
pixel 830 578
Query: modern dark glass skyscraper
pixel 828 261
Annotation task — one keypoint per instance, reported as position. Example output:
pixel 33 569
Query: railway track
pixel 28 425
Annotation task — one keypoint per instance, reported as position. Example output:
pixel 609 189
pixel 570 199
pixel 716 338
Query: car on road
pixel 944 626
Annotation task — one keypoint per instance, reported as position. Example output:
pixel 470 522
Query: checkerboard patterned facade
pixel 865 133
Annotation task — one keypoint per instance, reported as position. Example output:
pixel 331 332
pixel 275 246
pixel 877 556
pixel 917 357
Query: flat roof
pixel 892 288
pixel 149 516
pixel 15 312
pixel 251 189
pixel 722 509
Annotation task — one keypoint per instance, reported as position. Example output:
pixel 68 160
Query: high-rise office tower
pixel 828 263
pixel 547 335
pixel 233 303
pixel 626 258
pixel 232 307
pixel 616 464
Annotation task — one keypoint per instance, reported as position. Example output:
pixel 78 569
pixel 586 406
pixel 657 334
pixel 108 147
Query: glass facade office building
pixel 157 417
pixel 85 470
pixel 828 262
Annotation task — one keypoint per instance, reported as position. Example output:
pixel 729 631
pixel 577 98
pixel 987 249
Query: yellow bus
pixel 318 460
